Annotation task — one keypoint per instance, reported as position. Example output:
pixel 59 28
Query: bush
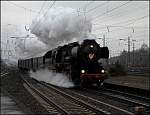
pixel 116 70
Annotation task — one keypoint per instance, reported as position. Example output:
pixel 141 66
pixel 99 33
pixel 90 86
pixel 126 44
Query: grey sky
pixel 114 19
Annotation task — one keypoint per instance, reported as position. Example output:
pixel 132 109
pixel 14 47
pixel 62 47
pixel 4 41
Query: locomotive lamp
pixel 102 71
pixel 91 46
pixel 83 71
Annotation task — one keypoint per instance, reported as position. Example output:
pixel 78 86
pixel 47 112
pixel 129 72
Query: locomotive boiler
pixel 78 61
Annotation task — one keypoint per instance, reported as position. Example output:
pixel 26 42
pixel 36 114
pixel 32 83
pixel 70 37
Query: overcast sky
pixel 113 19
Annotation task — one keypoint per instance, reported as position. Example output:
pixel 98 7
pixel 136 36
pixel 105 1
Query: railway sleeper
pixel 65 104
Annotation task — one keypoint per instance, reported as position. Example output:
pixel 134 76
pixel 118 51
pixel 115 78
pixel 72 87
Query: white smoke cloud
pixel 61 24
pixel 30 47
pixel 48 76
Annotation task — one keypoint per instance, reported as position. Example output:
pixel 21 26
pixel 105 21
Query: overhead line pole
pixel 103 40
pixel 128 51
pixel 133 50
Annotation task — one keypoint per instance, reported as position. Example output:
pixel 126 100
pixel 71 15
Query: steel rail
pixel 66 103
pixel 61 110
pixel 77 100
pixel 136 91
pixel 127 94
pixel 119 97
pixel 109 105
pixel 93 100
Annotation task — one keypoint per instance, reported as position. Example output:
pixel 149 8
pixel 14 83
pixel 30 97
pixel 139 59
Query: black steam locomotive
pixel 78 61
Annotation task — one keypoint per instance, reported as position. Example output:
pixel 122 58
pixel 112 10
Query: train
pixel 78 61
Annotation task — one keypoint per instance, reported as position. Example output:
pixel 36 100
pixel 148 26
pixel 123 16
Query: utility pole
pixel 133 53
pixel 8 50
pixel 103 40
pixel 128 51
pixel 133 50
pixel 100 39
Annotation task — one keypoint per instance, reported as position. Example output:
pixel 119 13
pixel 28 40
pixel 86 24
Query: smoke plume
pixel 61 24
pixel 58 26
pixel 48 76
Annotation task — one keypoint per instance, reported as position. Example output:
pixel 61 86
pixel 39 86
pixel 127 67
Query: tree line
pixel 134 60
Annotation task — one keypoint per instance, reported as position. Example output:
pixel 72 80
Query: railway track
pixel 127 89
pixel 86 101
pixel 94 101
pixel 142 99
pixel 113 103
pixel 60 102
pixel 130 99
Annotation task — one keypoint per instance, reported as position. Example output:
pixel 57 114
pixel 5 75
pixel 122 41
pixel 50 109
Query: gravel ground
pixel 13 85
pixel 8 106
pixel 131 81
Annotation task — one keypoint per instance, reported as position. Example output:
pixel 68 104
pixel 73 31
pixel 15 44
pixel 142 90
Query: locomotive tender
pixel 78 61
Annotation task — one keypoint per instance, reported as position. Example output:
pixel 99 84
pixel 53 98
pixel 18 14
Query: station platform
pixel 141 82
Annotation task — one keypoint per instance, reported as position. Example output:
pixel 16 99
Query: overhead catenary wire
pixel 123 27
pixel 134 20
pixel 104 26
pixel 125 34
pixel 130 20
pixel 117 7
pixel 138 19
pixel 85 8
pixel 119 14
pixel 98 6
pixel 26 9
pixel 40 9
pixel 120 35
pixel 51 5
pixel 34 11
pixel 113 39
pixel 109 18
pixel 88 4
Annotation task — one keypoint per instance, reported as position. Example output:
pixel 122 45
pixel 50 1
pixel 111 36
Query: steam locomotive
pixel 78 61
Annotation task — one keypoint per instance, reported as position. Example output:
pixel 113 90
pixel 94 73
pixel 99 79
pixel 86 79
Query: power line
pixel 89 3
pixel 96 7
pixel 40 10
pixel 134 20
pixel 138 19
pixel 31 10
pixel 127 20
pixel 35 27
pixel 112 9
pixel 42 7
pixel 125 27
pixel 120 14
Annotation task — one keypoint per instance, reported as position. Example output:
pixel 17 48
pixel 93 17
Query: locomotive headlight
pixel 83 71
pixel 102 71
pixel 91 46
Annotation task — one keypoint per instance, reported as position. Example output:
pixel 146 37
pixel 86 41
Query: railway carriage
pixel 78 61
